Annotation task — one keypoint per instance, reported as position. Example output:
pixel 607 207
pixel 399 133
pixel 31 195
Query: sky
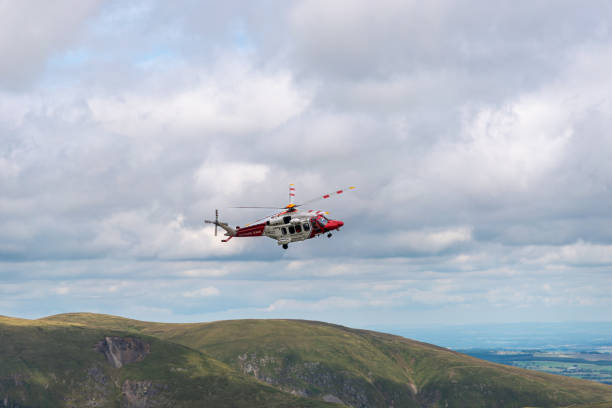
pixel 477 134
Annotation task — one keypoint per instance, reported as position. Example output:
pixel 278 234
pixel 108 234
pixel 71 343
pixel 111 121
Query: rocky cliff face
pixel 73 366
pixel 143 394
pixel 123 350
pixel 316 379
pixel 95 385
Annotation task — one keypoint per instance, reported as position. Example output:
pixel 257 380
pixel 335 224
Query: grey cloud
pixel 477 136
pixel 363 39
pixel 32 31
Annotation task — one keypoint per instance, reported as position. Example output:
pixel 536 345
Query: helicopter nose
pixel 334 224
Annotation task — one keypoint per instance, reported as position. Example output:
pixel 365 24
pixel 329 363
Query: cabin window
pixel 298 228
pixel 315 226
pixel 284 230
pixel 291 229
pixel 306 226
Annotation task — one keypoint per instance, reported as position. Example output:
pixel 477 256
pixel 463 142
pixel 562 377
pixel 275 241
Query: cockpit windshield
pixel 322 220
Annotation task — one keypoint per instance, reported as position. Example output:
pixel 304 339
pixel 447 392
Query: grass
pixel 50 363
pixel 356 365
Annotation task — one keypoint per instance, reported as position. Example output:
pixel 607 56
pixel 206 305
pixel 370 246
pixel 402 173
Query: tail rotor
pixel 216 221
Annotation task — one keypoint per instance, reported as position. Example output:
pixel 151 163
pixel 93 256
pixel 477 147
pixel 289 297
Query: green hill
pixel 47 363
pixel 259 363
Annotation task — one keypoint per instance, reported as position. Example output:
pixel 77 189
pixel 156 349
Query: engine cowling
pixel 276 221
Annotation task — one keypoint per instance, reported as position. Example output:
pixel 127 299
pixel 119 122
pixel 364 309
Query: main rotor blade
pixel 261 219
pixel 269 208
pixel 267 216
pixel 335 193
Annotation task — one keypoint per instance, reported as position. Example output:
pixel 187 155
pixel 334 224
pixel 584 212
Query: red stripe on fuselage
pixel 251 231
pixel 326 196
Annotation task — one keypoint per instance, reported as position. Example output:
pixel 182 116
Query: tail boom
pixel 251 231
pixel 229 231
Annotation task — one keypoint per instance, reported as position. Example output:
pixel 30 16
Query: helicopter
pixel 290 225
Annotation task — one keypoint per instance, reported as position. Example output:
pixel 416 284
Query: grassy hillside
pixel 46 363
pixel 360 368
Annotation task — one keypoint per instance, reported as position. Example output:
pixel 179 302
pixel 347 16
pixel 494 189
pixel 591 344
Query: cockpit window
pixel 322 220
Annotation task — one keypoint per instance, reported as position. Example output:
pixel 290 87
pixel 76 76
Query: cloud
pixel 517 144
pixel 142 235
pixel 202 292
pixel 579 253
pixel 62 290
pixel 434 297
pixel 228 178
pixel 290 305
pixel 30 32
pixel 333 37
pixel 478 137
pixel 230 98
pixel 432 241
pixel 358 39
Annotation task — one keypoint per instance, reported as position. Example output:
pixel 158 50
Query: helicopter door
pixel 315 225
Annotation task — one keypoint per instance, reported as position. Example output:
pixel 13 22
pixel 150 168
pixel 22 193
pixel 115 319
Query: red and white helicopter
pixel 290 225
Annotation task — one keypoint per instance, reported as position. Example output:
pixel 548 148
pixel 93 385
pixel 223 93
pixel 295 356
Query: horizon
pixel 463 337
pixel 418 326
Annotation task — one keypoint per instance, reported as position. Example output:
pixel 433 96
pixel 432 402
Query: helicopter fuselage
pixel 291 226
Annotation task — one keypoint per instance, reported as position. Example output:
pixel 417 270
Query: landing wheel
pixel 329 235
pixel 285 246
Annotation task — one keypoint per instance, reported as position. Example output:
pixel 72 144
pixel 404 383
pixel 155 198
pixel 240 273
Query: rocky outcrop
pixel 91 388
pixel 142 394
pixel 123 350
pixel 310 379
pixel 319 380
pixel 332 398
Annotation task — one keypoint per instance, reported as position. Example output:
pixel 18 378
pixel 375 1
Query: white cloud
pixel 203 292
pixel 204 272
pixel 578 253
pixel 232 98
pixel 430 241
pixel 508 148
pixel 62 290
pixel 331 303
pixel 143 234
pixel 225 177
